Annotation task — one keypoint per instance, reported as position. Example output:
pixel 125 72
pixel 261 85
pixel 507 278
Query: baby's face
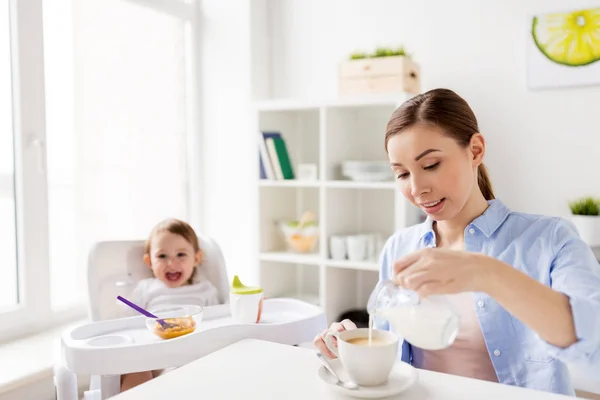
pixel 172 258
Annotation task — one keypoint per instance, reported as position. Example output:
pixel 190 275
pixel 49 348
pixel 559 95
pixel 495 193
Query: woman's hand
pixel 319 340
pixel 435 271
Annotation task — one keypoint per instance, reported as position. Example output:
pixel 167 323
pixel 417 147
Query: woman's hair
pixel 450 112
pixel 176 227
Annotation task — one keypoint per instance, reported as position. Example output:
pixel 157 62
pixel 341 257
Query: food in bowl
pixel 300 238
pixel 177 321
pixel 174 327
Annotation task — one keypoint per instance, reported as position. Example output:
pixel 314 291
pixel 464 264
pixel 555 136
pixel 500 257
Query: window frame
pixel 30 189
pixel 34 312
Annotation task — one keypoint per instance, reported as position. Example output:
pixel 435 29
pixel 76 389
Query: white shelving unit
pixel 327 133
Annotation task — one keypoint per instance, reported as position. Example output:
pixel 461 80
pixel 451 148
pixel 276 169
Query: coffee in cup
pixel 368 360
pixel 364 341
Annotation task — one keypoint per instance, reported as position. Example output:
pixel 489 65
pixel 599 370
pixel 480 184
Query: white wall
pixel 476 48
pixel 543 147
pixel 228 182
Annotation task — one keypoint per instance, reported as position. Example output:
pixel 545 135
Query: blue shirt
pixel 548 249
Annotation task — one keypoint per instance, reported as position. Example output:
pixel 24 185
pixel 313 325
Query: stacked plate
pixel 367 171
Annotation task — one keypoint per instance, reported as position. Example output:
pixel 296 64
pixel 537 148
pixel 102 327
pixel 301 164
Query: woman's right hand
pixel 319 340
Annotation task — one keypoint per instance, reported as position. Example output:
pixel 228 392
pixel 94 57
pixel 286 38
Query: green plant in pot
pixel 380 52
pixel 585 215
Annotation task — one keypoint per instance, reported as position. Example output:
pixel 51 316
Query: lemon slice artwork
pixel 571 39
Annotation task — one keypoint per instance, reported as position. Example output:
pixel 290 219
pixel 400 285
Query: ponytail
pixel 485 185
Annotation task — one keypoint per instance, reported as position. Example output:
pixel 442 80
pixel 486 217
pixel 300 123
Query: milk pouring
pixel 429 324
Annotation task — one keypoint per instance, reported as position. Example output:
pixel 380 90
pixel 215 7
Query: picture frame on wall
pixel 564 49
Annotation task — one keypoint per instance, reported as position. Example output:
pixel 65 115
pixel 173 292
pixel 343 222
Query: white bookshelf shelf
pixel 289 183
pixel 360 185
pixel 327 133
pixel 341 184
pixel 394 99
pixel 316 259
pixel 357 265
pixel 291 258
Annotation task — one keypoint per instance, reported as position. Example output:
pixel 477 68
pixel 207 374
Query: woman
pixel 526 286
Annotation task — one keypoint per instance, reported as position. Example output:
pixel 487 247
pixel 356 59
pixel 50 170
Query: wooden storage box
pixel 379 75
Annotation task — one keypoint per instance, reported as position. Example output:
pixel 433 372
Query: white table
pixel 254 369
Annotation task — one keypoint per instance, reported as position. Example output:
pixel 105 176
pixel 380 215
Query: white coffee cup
pixel 357 246
pixel 367 365
pixel 337 247
pixel 374 246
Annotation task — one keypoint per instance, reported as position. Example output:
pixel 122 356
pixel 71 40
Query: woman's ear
pixel 198 258
pixel 147 260
pixel 477 148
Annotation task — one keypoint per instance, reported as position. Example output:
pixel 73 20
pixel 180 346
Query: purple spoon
pixel 148 314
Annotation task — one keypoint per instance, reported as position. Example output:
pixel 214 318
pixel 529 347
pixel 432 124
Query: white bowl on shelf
pixel 367 171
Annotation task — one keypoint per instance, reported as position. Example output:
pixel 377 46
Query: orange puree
pixel 178 327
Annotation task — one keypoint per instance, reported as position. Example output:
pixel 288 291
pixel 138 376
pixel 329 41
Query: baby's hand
pixel 319 340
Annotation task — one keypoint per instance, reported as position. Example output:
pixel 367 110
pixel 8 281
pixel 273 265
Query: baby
pixel 173 253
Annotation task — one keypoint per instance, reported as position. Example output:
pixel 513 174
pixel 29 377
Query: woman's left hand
pixel 435 271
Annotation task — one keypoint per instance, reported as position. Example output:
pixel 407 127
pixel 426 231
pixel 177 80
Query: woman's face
pixel 433 171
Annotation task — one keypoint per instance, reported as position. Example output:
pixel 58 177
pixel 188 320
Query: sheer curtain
pixel 117 130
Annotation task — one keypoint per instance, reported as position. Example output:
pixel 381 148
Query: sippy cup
pixel 430 323
pixel 245 302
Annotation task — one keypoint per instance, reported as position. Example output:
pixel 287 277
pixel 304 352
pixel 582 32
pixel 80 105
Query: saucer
pixel 402 377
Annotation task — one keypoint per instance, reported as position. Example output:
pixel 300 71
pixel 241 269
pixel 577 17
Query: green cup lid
pixel 237 287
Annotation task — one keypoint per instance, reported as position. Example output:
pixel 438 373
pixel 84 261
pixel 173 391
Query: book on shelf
pixel 275 160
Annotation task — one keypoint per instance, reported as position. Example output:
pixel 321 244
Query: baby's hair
pixel 176 227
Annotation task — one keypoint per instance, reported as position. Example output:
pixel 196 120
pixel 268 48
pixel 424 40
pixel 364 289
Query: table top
pixel 255 369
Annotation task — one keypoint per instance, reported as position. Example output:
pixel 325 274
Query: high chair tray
pixel 119 346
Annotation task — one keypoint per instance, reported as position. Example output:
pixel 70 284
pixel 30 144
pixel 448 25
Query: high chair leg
pixel 65 382
pixel 110 385
pixel 92 395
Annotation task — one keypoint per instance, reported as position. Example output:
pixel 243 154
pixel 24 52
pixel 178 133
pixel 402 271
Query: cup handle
pixel 330 344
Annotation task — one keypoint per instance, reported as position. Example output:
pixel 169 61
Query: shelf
pixel 291 258
pixel 338 184
pixel 358 265
pixel 316 259
pixel 392 99
pixel 289 183
pixel 361 185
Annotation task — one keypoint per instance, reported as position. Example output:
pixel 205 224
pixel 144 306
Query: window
pixel 23 190
pixel 105 152
pixel 126 167
pixel 8 234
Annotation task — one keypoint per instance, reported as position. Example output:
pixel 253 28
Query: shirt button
pixel 471 231
pixel 480 304
pixel 497 353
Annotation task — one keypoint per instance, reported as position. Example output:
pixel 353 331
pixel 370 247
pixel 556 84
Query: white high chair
pixel 114 268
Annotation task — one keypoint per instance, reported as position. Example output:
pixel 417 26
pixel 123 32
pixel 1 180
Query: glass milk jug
pixel 430 323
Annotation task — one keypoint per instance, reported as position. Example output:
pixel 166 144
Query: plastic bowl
pixel 300 240
pixel 182 320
